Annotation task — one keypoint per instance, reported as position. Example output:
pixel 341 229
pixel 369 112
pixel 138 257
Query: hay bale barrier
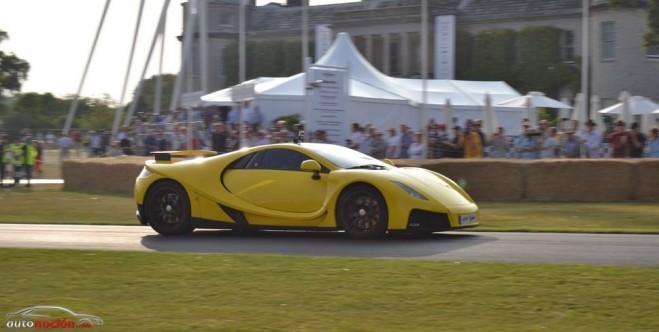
pixel 105 175
pixel 552 180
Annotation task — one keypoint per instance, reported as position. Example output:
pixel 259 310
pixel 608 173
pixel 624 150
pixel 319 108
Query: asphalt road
pixel 601 249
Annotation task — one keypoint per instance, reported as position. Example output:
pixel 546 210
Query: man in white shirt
pixel 393 144
pixel 592 139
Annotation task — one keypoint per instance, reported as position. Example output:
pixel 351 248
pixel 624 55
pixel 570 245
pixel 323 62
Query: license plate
pixel 467 219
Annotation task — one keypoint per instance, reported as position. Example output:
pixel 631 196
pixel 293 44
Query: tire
pixel 362 212
pixel 167 209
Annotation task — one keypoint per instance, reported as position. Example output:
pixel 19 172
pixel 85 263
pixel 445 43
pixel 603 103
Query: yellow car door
pixel 273 179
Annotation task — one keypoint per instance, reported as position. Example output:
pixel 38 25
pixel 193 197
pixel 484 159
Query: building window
pixel 226 18
pixel 608 41
pixel 567 46
pixel 652 52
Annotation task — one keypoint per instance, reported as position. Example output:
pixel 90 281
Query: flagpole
pixel 585 53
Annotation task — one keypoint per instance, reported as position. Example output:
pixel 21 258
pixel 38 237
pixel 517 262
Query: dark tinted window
pixel 283 159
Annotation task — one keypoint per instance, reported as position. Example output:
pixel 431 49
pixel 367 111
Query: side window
pixel 283 159
pixel 256 162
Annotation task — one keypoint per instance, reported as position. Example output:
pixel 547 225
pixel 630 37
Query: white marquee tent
pixel 381 100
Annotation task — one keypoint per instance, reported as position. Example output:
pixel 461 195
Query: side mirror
pixel 389 162
pixel 311 166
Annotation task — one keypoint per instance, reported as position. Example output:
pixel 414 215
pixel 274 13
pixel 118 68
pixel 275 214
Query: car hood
pixel 432 185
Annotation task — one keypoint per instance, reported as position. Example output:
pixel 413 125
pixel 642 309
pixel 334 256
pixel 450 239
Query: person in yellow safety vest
pixel 18 158
pixel 30 159
pixel 4 157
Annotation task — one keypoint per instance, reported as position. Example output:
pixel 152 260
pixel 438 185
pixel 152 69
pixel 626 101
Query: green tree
pixel 540 65
pixel 651 37
pixel 146 101
pixel 13 70
pixel 495 58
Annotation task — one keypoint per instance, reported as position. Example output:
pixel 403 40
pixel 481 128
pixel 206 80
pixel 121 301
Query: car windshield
pixel 344 157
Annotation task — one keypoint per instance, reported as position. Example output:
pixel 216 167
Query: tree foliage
pixel 147 99
pixel 272 58
pixel 651 37
pixel 13 70
pixel 528 60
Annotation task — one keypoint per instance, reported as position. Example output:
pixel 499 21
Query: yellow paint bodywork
pixel 293 198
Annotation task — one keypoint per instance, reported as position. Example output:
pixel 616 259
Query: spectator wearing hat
pixel 618 140
pixel 406 140
pixel 571 147
pixel 652 144
pixel 393 144
pixel 527 147
pixel 636 141
pixel 378 145
pixel 592 139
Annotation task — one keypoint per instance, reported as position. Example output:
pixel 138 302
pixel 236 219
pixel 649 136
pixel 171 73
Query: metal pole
pixel 305 34
pixel 203 46
pixel 424 73
pixel 120 107
pixel 158 94
pixel 187 37
pixel 136 97
pixel 242 69
pixel 74 103
pixel 585 54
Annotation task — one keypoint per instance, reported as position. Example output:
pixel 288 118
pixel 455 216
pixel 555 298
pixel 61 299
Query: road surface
pixel 606 249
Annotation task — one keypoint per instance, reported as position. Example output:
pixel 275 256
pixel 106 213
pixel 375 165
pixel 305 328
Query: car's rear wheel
pixel 167 209
pixel 362 212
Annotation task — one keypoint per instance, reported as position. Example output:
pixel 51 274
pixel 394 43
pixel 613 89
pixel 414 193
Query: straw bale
pixel 112 175
pixel 648 180
pixel 581 180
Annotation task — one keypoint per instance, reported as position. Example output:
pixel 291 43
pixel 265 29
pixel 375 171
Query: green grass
pixel 50 204
pixel 181 291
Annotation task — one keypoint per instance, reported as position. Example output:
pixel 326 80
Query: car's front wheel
pixel 167 209
pixel 362 212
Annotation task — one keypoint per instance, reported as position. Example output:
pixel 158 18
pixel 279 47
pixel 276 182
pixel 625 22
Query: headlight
pixel 145 173
pixel 409 190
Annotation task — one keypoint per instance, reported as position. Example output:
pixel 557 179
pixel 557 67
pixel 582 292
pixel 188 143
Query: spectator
pixel 527 146
pixel 442 137
pixel 378 148
pixel 652 144
pixel 393 144
pixel 417 150
pixel 636 141
pixel 38 161
pixel 4 157
pixel 549 147
pixel 571 147
pixel 618 141
pixel 454 148
pixel 592 140
pixel 357 137
pixel 500 145
pixel 320 136
pixel 94 144
pixel 406 140
pixel 18 154
pixel 472 142
pixel 219 138
pixel 254 117
pixel 64 144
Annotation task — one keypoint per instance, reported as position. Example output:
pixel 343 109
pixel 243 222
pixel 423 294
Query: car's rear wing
pixel 166 156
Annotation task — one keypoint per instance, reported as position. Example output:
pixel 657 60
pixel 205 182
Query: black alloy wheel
pixel 362 212
pixel 167 209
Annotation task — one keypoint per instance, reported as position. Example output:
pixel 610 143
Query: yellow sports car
pixel 306 186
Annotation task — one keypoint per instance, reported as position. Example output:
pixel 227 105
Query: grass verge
pixel 181 291
pixel 49 204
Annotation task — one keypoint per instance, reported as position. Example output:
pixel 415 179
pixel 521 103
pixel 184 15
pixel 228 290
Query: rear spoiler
pixel 166 156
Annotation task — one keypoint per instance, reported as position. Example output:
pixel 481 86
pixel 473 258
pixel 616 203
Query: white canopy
pixel 381 100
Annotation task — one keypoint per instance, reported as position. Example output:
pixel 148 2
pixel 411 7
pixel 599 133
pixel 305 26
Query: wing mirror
pixel 389 162
pixel 311 166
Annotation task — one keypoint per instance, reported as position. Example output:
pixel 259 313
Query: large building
pixel 387 33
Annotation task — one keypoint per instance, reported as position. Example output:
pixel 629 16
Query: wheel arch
pixel 194 208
